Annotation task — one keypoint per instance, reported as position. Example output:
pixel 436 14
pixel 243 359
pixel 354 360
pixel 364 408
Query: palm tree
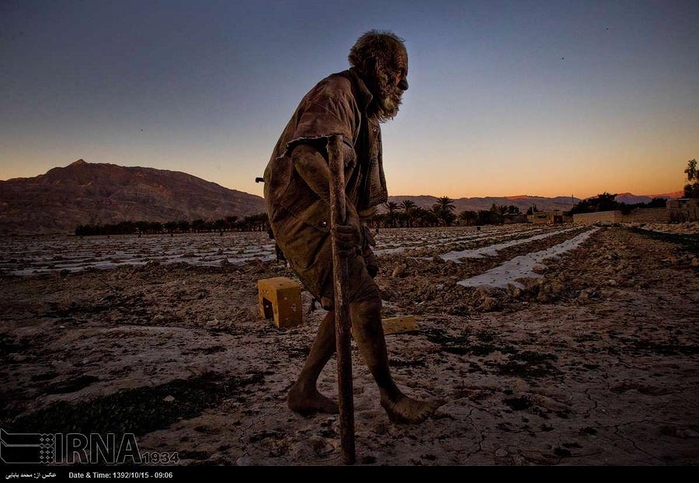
pixel 426 217
pixel 408 207
pixel 184 226
pixel 445 204
pixel 391 207
pixel 444 209
pixel 468 217
pixel 691 170
pixel 498 213
pixel 691 190
pixel 231 221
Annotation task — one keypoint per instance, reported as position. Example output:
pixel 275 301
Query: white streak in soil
pixel 492 250
pixel 523 266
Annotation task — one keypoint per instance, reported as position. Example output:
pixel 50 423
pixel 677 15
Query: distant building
pixel 512 218
pixel 683 209
pixel 549 217
pixel 539 218
pixel 556 217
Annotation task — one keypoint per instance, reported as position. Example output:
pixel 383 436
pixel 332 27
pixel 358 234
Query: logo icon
pixel 44 448
pixel 27 448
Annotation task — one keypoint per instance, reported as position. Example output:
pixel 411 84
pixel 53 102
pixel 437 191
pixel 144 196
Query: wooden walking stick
pixel 341 305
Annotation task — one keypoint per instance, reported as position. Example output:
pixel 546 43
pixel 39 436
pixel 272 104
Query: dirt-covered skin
pixel 595 363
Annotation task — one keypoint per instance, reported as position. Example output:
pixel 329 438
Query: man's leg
pixel 303 396
pixel 367 331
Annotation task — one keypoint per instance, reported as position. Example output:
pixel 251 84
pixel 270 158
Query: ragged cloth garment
pixel 299 216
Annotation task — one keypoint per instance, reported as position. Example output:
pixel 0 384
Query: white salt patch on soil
pixel 37 255
pixel 492 250
pixel 421 242
pixel 523 266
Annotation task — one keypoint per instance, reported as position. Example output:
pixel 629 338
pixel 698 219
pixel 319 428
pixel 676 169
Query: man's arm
pixel 314 169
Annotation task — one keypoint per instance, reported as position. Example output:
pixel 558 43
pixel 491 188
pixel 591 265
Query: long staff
pixel 342 315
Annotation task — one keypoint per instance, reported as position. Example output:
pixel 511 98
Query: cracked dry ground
pixel 595 363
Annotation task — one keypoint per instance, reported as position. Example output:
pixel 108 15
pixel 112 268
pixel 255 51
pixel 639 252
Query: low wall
pixel 683 209
pixel 647 215
pixel 639 215
pixel 598 217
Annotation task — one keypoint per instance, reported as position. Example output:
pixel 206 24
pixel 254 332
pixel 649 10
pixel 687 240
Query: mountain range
pixel 98 193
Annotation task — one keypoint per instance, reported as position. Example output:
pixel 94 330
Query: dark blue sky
pixel 506 98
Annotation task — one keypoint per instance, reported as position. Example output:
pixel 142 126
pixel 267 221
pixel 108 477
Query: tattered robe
pixel 299 217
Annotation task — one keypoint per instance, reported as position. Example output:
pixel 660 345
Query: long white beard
pixel 389 104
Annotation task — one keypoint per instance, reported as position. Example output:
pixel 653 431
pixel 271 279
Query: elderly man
pixel 352 104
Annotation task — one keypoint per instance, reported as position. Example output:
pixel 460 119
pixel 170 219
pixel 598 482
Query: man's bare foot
pixel 408 410
pixel 311 401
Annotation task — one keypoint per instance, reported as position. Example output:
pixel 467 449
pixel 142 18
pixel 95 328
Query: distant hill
pixel 97 193
pixel 524 202
pixel 630 199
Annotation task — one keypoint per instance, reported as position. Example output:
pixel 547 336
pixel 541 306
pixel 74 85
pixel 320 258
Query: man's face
pixel 392 81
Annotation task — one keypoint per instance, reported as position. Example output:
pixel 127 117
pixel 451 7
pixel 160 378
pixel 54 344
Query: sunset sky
pixel 543 98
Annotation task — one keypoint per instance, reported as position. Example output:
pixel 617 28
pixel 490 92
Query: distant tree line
pixel 404 215
pixel 607 202
pixel 407 214
pixel 230 223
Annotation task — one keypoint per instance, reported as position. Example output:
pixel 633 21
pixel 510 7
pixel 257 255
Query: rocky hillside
pixel 96 193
